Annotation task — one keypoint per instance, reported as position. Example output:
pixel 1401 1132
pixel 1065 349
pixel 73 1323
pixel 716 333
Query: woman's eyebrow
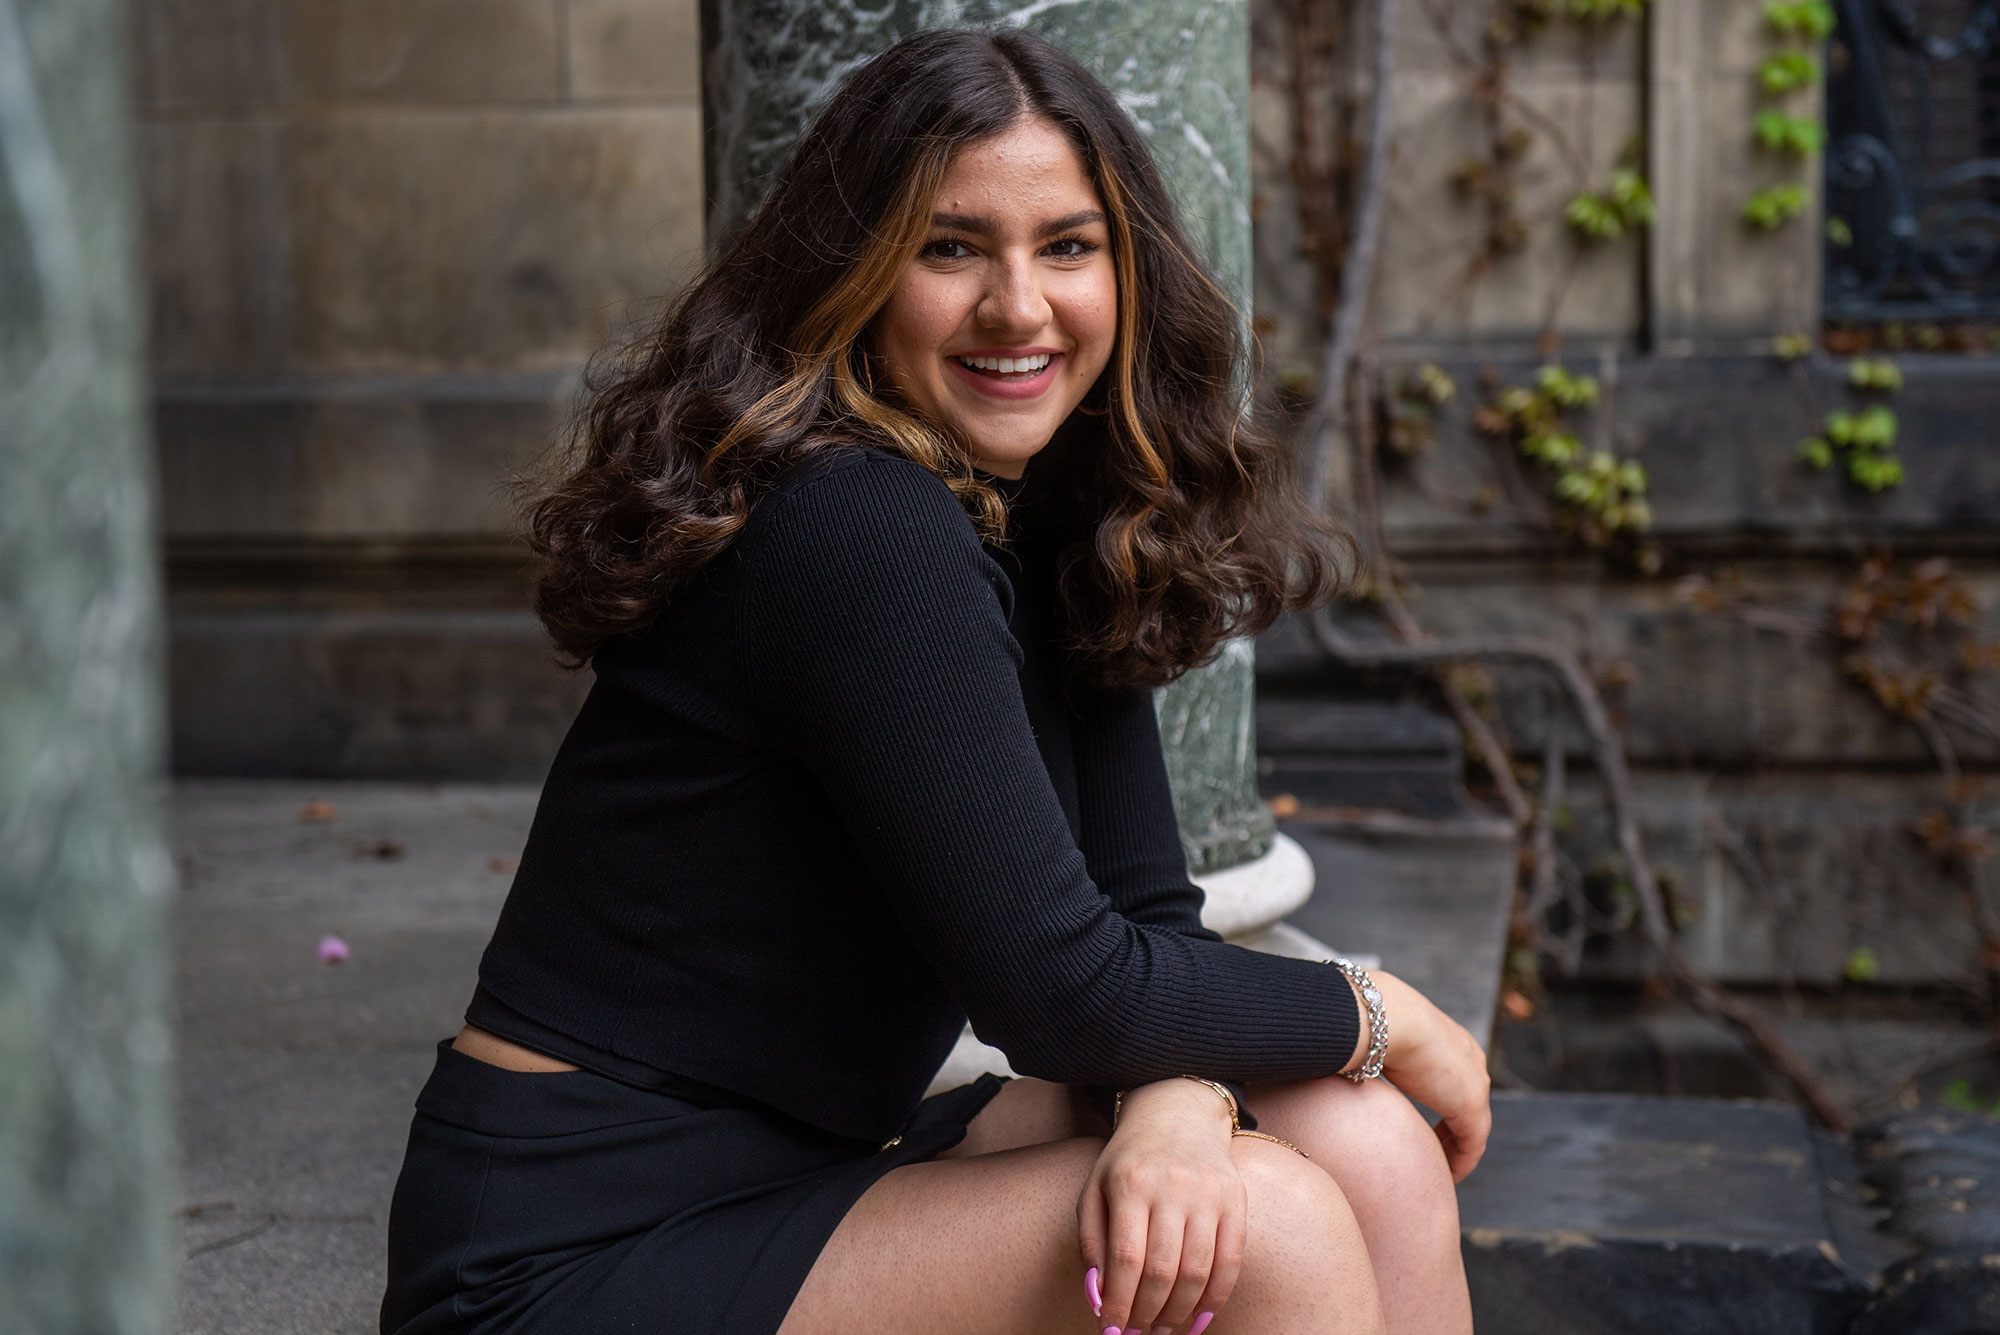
pixel 985 226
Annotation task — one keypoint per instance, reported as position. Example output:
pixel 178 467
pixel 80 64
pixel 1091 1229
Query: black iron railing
pixel 1913 160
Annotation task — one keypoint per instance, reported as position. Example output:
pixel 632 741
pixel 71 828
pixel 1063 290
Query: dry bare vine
pixel 1324 427
pixel 1346 411
pixel 1414 648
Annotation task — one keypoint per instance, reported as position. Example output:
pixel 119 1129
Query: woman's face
pixel 1007 315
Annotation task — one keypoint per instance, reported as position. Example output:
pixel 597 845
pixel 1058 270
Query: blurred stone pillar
pixel 1181 68
pixel 85 1140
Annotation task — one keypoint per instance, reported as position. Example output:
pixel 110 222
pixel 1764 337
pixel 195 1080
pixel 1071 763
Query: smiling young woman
pixel 876 544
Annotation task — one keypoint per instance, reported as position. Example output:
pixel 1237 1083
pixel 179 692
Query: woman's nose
pixel 1013 300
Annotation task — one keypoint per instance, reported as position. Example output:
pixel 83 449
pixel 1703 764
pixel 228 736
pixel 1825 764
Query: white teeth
pixel 1007 365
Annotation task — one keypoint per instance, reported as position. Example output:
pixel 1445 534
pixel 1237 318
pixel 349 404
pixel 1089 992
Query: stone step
pixel 1604 1214
pixel 1391 755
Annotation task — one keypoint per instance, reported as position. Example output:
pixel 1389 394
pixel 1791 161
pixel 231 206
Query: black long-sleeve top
pixel 837 798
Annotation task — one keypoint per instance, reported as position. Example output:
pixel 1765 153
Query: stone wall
pixel 1681 82
pixel 1724 720
pixel 382 234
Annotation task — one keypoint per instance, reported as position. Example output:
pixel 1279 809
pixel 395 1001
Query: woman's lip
pixel 1032 387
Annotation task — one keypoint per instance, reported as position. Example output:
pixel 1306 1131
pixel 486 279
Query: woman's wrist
pixel 1183 1100
pixel 1402 1006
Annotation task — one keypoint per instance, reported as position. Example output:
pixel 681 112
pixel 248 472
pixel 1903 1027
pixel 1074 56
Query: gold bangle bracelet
pixel 1275 1140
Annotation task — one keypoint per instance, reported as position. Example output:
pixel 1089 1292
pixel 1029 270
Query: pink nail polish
pixel 1113 1330
pixel 1093 1292
pixel 1200 1323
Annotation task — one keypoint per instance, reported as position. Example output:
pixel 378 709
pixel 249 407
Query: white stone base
pixel 1240 902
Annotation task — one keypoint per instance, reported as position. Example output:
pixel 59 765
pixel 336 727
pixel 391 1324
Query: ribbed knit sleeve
pixel 1130 838
pixel 874 643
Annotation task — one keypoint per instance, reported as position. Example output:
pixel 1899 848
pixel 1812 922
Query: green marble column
pixel 85 1136
pixel 1181 68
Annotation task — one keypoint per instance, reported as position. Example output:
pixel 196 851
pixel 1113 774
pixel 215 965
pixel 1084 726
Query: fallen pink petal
pixel 332 950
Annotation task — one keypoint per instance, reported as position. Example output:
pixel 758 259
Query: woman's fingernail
pixel 1094 1293
pixel 1201 1321
pixel 1113 1330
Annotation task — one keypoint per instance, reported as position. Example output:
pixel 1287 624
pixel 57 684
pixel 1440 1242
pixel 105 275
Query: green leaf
pixel 1875 472
pixel 1433 383
pixel 1787 70
pixel 1593 217
pixel 1606 9
pixel 1815 451
pixel 1791 347
pixel 1862 966
pixel 1838 232
pixel 1957 1097
pixel 1555 448
pixel 1631 195
pixel 1876 428
pixel 1782 133
pixel 1571 391
pixel 1774 205
pixel 1800 18
pixel 1875 373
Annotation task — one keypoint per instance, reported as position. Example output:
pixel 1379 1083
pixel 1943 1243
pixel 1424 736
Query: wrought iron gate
pixel 1913 160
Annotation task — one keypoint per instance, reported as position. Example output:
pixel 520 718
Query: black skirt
pixel 568 1202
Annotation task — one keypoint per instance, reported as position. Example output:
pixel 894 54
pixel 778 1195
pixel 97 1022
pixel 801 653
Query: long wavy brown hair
pixel 1182 530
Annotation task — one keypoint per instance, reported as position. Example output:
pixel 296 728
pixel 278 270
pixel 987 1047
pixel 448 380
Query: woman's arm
pixel 1129 834
pixel 1128 831
pixel 874 642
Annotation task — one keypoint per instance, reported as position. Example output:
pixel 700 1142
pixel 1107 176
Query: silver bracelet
pixel 1378 1019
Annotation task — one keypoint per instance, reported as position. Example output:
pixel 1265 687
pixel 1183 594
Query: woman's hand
pixel 1435 1061
pixel 1162 1217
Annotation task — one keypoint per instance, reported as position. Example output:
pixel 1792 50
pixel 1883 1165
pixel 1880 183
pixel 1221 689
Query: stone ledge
pixel 1615 1215
pixel 1718 436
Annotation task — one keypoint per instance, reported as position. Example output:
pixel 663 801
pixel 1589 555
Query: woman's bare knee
pixel 1373 1141
pixel 1305 1265
pixel 1385 1158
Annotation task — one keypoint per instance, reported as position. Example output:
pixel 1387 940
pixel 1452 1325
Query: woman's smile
pixel 1008 374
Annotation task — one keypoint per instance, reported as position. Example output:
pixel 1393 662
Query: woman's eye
pixel 1071 248
pixel 947 250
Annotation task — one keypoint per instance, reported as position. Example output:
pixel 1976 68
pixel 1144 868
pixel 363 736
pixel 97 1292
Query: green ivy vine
pixel 1796 23
pixel 1599 497
pixel 1863 439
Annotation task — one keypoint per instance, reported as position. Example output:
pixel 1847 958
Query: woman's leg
pixel 1392 1171
pixel 987 1245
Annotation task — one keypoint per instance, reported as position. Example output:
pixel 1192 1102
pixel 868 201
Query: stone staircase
pixel 1606 1214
